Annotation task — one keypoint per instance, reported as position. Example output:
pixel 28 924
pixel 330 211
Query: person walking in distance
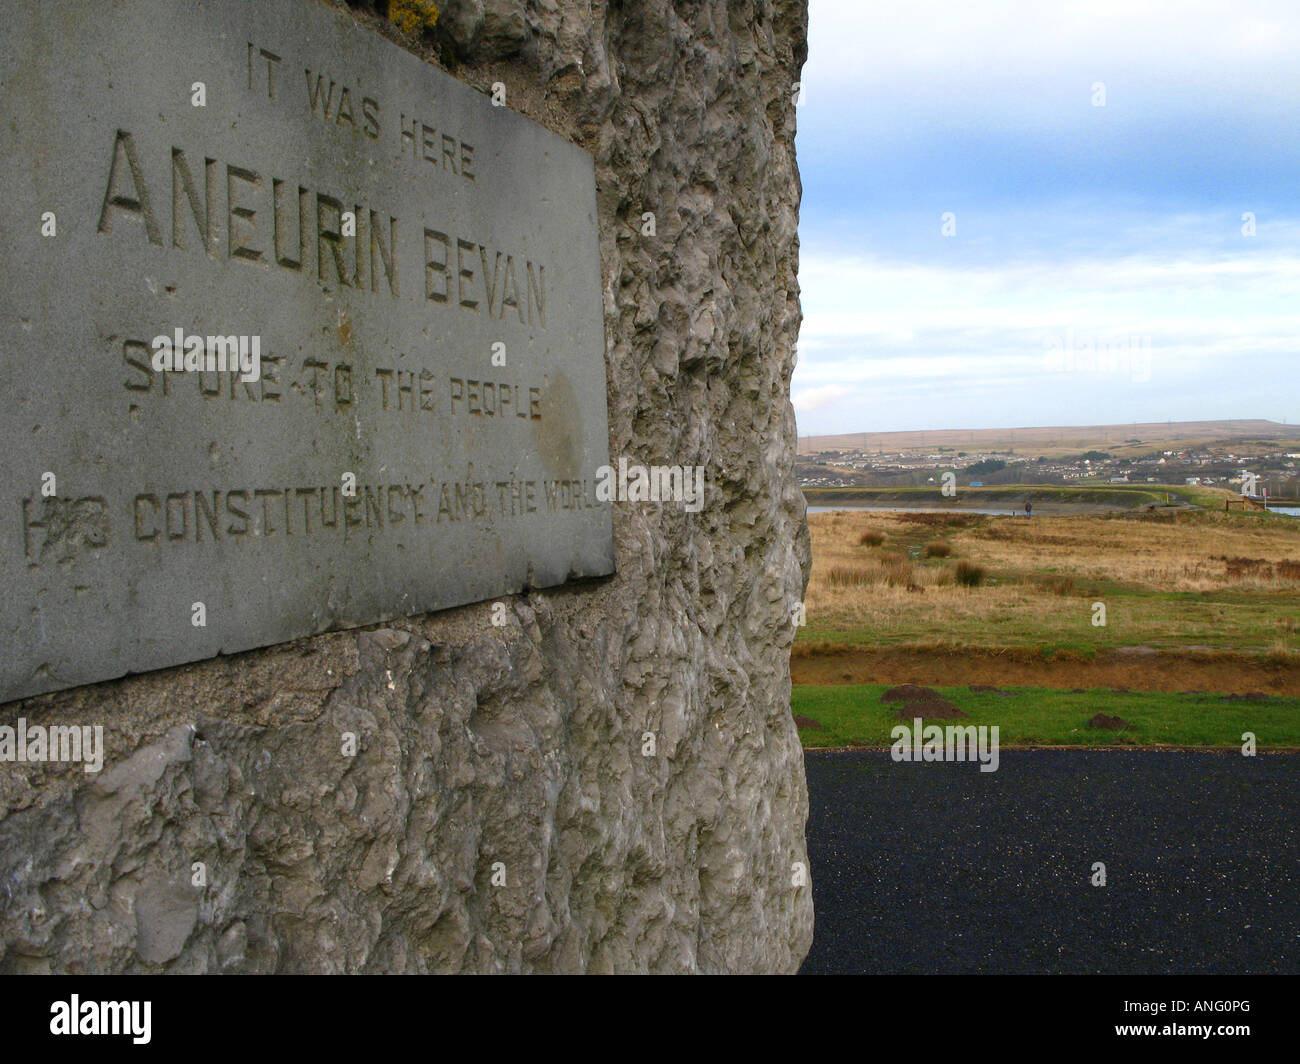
pixel 1029 508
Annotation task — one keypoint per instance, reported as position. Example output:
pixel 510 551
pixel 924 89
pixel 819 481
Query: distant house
pixel 1119 480
pixel 1193 480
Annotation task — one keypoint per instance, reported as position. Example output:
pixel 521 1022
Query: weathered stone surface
pixel 518 744
pixel 425 417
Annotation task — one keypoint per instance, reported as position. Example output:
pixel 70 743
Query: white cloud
pixel 978 339
pixel 906 303
pixel 809 399
pixel 1015 44
pixel 933 105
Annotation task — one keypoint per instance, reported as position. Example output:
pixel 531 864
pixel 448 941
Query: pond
pixel 910 509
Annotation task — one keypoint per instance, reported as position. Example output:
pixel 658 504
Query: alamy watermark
pixel 77 1017
pixel 211 354
pixel 1091 353
pixel 58 742
pixel 684 484
pixel 956 742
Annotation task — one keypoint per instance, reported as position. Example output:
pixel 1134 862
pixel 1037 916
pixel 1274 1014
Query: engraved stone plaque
pixel 297 333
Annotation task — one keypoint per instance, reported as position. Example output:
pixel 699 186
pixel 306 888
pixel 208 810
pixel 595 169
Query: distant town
pixel 1259 465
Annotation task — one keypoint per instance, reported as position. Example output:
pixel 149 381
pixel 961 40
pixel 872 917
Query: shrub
pixel 413 16
pixel 870 539
pixel 844 576
pixel 969 575
pixel 938 549
pixel 1241 567
pixel 898 571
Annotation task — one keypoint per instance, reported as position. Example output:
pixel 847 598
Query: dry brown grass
pixel 1208 554
pixel 849 576
pixel 1042 576
pixel 885 570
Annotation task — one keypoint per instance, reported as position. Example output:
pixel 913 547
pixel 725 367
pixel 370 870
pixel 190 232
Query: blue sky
pixel 1098 271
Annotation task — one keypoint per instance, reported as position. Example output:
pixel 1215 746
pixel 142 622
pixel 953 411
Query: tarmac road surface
pixel 938 867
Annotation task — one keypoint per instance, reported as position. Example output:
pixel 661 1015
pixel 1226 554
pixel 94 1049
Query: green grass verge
pixel 1249 621
pixel 1040 716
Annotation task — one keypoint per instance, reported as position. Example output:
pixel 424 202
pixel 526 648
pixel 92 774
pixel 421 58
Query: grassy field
pixel 1204 580
pixel 854 715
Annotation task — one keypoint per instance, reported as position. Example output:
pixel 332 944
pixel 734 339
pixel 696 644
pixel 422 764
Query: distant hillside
pixel 1064 439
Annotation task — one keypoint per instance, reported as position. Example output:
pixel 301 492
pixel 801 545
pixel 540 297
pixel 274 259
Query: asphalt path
pixel 939 867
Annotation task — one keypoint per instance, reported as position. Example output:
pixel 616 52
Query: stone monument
pixel 402 539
